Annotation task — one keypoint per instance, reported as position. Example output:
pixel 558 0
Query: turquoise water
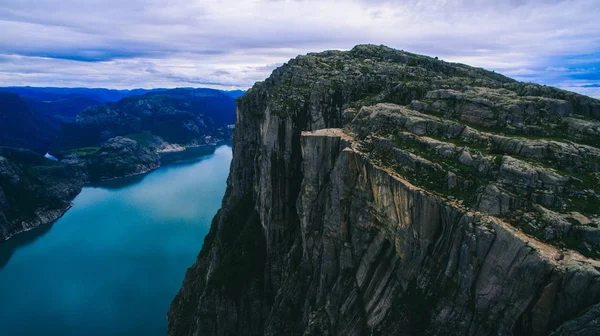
pixel 114 262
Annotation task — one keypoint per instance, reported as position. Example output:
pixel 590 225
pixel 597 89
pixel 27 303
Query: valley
pixel 371 192
pixel 101 142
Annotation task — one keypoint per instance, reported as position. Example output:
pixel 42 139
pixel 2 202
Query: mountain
pixel 61 110
pixel 179 117
pixel 21 127
pixel 99 95
pixel 380 192
pixel 120 157
pixel 33 190
pixel 34 115
pixel 214 104
pixel 32 119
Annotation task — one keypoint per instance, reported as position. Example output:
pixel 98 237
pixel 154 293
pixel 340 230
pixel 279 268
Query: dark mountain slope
pixel 60 110
pixel 179 116
pixel 214 104
pixel 20 127
pixel 379 192
pixel 34 124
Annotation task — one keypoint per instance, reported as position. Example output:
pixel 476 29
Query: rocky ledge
pixel 33 190
pixel 379 192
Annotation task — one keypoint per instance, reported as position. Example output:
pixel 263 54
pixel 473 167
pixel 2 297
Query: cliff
pixel 33 190
pixel 379 192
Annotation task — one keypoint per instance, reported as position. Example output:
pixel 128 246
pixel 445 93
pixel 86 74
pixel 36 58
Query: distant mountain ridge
pixel 181 117
pixel 101 95
pixel 33 116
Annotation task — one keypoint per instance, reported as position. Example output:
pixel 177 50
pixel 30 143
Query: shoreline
pixel 98 184
pixel 50 222
pixel 183 148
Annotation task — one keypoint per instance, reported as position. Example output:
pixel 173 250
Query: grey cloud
pixel 235 43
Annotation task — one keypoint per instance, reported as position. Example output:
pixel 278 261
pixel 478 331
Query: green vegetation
pixel 82 151
pixel 429 177
pixel 586 205
pixel 462 142
pixel 143 138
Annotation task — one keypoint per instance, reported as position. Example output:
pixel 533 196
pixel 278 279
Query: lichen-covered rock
pixel 121 157
pixel 34 190
pixel 378 192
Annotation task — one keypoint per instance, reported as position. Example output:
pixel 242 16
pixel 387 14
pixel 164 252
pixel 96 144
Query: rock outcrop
pixel 33 190
pixel 378 192
pixel 120 157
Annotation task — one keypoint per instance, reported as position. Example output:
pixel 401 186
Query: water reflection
pixel 7 248
pixel 190 155
pixel 119 183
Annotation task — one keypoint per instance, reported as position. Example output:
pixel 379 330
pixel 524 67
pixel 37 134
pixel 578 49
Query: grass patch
pixel 429 177
pixel 82 151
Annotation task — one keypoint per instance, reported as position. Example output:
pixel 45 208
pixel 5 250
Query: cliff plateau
pixel 379 192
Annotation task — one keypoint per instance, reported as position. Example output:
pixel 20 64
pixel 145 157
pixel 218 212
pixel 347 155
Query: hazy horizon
pixel 123 89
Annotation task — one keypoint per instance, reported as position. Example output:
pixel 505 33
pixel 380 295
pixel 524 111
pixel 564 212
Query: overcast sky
pixel 232 44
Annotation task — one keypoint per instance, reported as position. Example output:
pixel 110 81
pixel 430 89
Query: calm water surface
pixel 114 262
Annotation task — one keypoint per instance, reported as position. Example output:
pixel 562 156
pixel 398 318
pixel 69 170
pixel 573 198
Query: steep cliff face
pixel 380 192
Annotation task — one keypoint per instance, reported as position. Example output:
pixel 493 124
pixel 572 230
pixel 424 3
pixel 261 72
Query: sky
pixel 231 44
